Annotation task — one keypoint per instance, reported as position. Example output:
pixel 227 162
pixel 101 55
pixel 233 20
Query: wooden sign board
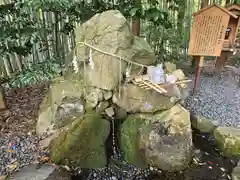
pixel 208 31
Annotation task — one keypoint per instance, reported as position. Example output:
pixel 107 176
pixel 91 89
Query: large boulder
pixel 163 140
pixel 110 32
pixel 228 140
pixel 81 144
pixel 141 53
pixel 62 104
pixel 135 99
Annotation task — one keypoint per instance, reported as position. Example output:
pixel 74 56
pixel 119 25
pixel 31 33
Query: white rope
pixel 139 73
pixel 110 54
pixel 130 63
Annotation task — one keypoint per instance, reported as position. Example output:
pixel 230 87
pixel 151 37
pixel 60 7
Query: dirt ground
pixel 23 105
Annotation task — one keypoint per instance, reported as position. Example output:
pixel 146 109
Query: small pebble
pixel 218 98
pixel 15 149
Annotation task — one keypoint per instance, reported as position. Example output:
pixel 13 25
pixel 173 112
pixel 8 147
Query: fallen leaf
pixel 12 167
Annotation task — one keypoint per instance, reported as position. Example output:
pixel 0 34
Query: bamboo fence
pixel 59 45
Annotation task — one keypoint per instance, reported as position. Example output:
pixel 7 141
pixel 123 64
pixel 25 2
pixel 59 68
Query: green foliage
pixel 17 30
pixel 169 42
pixel 19 34
pixel 36 73
pixel 20 28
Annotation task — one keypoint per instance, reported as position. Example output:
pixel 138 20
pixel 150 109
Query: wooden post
pixel 200 65
pixel 221 60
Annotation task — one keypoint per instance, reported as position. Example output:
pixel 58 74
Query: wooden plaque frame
pixel 208 31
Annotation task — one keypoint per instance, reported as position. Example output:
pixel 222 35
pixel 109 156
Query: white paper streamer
pixel 91 63
pixel 75 64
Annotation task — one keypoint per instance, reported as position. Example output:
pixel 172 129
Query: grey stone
pixel 228 140
pixel 169 144
pixel 94 95
pixel 135 99
pixel 102 106
pixel 69 109
pixel 170 67
pixel 203 124
pixel 110 112
pixel 30 172
pixel 107 94
pixel 179 74
pixel 120 113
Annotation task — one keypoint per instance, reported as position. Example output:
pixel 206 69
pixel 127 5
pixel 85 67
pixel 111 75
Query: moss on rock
pixel 133 130
pixel 129 141
pixel 82 143
pixel 59 89
pixel 129 136
pixel 228 140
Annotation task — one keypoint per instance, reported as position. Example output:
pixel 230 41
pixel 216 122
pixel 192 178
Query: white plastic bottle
pixel 156 74
pixel 159 74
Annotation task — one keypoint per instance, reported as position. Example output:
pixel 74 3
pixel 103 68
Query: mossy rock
pixel 64 88
pixel 59 90
pixel 228 140
pixel 82 143
pixel 129 136
pixel 129 141
pixel 203 124
pixel 133 130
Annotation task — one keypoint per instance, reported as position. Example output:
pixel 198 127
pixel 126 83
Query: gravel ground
pixel 17 127
pixel 218 98
pixel 24 153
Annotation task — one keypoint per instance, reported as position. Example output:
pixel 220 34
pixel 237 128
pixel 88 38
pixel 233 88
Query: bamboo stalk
pixel 7 68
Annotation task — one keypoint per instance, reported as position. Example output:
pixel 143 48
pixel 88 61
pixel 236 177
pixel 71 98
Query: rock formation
pixel 162 140
pixel 153 128
pixel 228 140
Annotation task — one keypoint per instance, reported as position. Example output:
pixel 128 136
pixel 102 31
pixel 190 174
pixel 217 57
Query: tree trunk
pixel 136 26
pixel 204 3
pixel 228 2
pixel 136 20
pixel 180 17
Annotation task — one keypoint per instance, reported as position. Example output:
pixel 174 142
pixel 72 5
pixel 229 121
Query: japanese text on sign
pixel 207 35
